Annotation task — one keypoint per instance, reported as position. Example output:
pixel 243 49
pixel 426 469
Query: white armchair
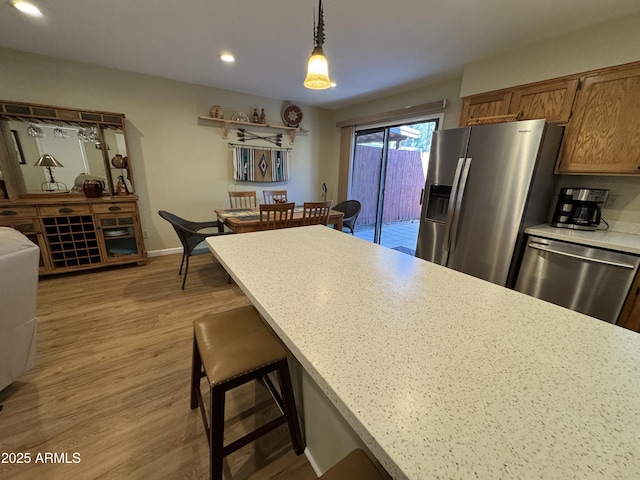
pixel 19 259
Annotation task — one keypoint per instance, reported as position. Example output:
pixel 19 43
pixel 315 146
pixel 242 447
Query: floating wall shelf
pixel 226 124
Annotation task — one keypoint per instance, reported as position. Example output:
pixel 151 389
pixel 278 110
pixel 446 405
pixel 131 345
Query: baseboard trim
pixel 199 250
pixel 165 251
pixel 312 461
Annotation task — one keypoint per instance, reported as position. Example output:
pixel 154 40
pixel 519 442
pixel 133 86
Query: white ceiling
pixel 374 48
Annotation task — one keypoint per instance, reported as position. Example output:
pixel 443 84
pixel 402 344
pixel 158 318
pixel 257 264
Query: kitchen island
pixel 440 374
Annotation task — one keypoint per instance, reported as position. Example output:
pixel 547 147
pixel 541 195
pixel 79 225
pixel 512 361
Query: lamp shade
pixel 317 71
pixel 47 160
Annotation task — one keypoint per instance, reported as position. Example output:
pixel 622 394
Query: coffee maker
pixel 579 208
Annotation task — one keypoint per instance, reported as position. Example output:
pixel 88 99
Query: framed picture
pixel 18 147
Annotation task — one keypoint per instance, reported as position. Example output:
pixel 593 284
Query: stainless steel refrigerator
pixel 485 185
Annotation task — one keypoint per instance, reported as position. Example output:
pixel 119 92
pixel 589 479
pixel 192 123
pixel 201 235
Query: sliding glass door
pixel 388 174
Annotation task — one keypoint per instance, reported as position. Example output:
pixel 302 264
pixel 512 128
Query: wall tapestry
pixel 251 164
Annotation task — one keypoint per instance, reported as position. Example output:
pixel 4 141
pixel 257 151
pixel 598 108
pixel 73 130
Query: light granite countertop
pixel 443 375
pixel 619 241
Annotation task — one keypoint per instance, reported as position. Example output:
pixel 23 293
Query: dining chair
pixel 190 235
pixel 243 199
pixel 275 196
pixel 316 213
pixel 350 209
pixel 276 215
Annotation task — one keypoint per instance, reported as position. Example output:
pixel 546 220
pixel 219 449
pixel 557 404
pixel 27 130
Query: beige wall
pixel 604 45
pixel 180 163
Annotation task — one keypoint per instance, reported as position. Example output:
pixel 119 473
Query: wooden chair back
pixel 316 213
pixel 243 199
pixel 275 196
pixel 276 215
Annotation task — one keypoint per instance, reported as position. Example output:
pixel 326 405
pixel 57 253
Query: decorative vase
pixel 121 187
pixel 216 112
pixel 93 188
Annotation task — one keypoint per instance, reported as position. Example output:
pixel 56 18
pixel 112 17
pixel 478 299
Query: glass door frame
pixel 384 128
pixel 382 174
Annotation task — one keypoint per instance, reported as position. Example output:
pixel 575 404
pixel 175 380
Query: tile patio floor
pixel 401 234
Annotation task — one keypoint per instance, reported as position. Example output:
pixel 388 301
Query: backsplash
pixel 623 227
pixel 624 215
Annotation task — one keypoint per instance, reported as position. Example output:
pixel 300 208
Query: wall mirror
pixel 88 145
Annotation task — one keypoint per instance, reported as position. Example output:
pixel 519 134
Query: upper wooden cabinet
pixel 551 100
pixel 603 136
pixel 600 109
pixel 484 105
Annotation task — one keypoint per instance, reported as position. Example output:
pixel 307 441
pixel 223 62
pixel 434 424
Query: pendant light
pixel 318 67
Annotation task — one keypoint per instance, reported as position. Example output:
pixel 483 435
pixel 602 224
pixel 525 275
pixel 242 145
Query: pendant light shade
pixel 318 67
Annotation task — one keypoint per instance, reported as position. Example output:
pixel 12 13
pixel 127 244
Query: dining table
pixel 439 374
pixel 243 220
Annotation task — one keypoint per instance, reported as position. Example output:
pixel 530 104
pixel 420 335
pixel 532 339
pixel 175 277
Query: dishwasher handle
pixel 545 248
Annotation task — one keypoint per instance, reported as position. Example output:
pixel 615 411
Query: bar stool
pixel 355 466
pixel 231 349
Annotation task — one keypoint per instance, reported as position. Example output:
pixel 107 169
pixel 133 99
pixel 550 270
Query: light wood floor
pixel 111 382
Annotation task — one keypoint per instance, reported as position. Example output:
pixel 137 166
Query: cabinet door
pixel 489 105
pixel 603 136
pixel 630 314
pixel 120 238
pixel 30 228
pixel 552 101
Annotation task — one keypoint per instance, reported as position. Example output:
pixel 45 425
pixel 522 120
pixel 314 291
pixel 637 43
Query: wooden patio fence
pixel 405 181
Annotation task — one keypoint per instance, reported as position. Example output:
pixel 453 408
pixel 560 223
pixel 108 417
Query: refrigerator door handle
pixel 458 204
pixel 452 201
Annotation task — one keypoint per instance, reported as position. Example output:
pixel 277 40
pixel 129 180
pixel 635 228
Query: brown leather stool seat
pixel 230 349
pixel 355 466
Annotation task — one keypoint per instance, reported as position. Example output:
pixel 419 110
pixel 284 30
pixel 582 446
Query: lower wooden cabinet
pixel 30 227
pixel 630 314
pixel 119 237
pixel 79 235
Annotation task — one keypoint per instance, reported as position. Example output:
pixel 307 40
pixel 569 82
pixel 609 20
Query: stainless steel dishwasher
pixel 590 280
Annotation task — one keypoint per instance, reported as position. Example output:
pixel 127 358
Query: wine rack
pixel 72 241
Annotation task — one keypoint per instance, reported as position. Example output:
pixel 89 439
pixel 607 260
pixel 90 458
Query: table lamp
pixel 47 161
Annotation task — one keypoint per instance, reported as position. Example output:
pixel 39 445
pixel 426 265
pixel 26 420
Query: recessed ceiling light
pixel 28 8
pixel 227 57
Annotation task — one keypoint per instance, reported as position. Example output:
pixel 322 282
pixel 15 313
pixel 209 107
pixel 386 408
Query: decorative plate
pixel 119 161
pixel 115 232
pixel 240 117
pixel 292 115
